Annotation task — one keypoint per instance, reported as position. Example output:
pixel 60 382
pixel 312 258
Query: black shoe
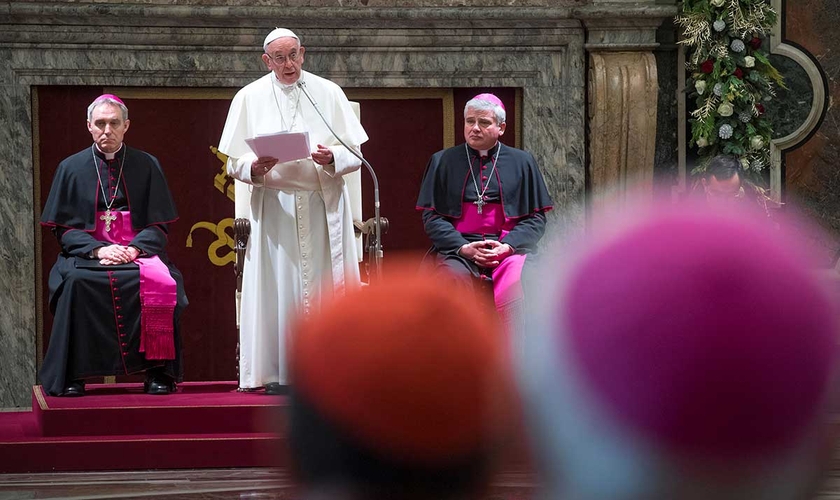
pixel 276 389
pixel 158 385
pixel 75 389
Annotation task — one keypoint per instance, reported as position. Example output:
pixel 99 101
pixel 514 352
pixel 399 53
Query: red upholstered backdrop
pixel 180 126
pixel 403 134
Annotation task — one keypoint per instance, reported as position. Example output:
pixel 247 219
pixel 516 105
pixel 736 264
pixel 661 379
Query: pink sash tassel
pixel 158 296
pixel 158 291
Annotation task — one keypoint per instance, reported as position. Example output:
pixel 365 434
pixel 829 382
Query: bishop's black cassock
pixel 96 331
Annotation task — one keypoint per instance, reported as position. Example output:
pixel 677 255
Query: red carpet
pixel 118 427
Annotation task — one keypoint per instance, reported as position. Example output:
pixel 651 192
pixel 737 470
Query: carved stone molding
pixel 819 103
pixel 622 126
pixel 621 110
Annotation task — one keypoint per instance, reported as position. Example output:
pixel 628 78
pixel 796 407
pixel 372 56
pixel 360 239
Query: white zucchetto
pixel 278 33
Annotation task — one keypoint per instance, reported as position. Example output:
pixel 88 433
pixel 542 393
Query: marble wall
pixel 539 46
pixel 811 173
pixel 665 163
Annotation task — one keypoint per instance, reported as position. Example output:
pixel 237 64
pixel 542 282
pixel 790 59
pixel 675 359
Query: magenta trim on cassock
pixel 158 291
pixel 507 277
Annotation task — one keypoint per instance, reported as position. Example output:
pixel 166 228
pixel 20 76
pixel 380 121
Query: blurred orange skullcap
pixel 406 369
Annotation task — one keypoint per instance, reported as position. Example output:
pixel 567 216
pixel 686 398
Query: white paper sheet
pixel 285 146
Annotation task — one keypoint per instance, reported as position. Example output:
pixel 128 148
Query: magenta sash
pixel 507 284
pixel 158 291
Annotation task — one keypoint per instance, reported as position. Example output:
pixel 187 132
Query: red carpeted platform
pixel 118 427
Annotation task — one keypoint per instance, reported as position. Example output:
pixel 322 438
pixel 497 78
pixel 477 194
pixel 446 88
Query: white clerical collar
pixel 486 152
pixel 108 156
pixel 283 86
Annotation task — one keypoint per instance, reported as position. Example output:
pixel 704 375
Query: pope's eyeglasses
pixel 281 59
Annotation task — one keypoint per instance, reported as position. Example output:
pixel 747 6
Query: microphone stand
pixel 377 220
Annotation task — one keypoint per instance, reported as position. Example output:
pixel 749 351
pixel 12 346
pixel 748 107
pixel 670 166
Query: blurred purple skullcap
pixel 684 336
pixel 693 329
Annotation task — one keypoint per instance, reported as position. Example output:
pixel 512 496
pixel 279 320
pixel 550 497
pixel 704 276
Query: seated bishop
pixel 484 206
pixel 115 296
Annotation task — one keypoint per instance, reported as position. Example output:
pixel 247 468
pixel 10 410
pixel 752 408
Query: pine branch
pixel 697 31
pixel 706 109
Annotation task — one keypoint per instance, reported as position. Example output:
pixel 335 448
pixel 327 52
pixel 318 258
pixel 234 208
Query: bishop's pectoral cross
pixel 479 203
pixel 109 217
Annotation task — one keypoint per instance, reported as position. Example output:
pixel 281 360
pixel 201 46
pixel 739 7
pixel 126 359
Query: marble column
pixel 622 106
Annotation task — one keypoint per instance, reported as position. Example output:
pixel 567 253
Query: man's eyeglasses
pixel 281 60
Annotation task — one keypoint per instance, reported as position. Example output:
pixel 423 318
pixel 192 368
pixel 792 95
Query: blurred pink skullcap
pixel 109 96
pixel 490 98
pixel 702 332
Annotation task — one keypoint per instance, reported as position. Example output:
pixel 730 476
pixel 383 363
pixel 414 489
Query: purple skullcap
pixel 109 96
pixel 490 98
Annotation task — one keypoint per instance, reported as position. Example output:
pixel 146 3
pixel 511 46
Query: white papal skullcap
pixel 278 33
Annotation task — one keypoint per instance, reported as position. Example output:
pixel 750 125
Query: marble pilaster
pixel 17 262
pixel 668 69
pixel 623 95
pixel 622 122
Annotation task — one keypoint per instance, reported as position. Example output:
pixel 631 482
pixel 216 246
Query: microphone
pixel 376 247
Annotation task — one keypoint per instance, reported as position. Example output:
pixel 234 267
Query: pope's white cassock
pixel 302 247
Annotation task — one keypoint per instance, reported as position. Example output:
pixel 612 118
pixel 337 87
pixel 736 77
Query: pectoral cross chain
pixel 481 201
pixel 109 217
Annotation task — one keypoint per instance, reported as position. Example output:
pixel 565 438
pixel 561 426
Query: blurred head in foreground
pixel 399 391
pixel 724 186
pixel 684 356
